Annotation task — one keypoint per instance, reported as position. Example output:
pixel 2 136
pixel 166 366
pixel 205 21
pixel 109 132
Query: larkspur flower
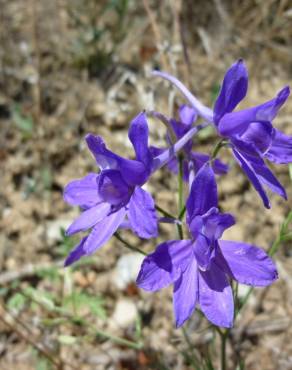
pixel 250 132
pixel 187 116
pixel 114 198
pixel 200 268
pixel 116 192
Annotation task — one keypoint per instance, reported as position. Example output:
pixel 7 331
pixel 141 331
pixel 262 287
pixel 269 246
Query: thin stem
pixel 78 320
pixel 235 298
pixel 275 245
pixel 166 121
pixel 164 157
pixel 165 213
pixel 182 213
pixel 180 194
pixel 128 245
pixel 180 184
pixel 118 340
pixel 217 148
pixel 191 349
pixel 28 338
pixel 223 350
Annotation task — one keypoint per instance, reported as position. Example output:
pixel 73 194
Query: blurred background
pixel 69 67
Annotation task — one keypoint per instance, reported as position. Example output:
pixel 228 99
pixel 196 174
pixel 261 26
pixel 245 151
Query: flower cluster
pixel 201 266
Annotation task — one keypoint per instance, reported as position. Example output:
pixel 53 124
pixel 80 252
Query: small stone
pixel 127 269
pixel 54 229
pixel 125 314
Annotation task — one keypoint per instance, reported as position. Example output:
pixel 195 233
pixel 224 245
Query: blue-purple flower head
pixel 250 132
pixel 113 194
pixel 200 268
pixel 187 116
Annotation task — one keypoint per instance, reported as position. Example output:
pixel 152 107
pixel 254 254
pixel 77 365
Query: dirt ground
pixel 69 67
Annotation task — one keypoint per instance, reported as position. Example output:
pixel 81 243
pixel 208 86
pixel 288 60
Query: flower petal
pixel 185 293
pixel 138 134
pixel 76 253
pixel 133 172
pixel 236 123
pixel 246 263
pixel 203 251
pixel 82 192
pixel 260 134
pixel 104 158
pixel 89 218
pixel 233 90
pixel 202 110
pixel 203 194
pixel 252 176
pixel 187 114
pixel 216 223
pixel 164 266
pixel 199 159
pixel 103 231
pixel 257 164
pixel 267 178
pixel 142 214
pixel 212 224
pixel 112 188
pixel 215 296
pixel 281 148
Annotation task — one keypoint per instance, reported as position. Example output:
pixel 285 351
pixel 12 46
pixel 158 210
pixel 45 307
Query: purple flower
pixel 250 132
pixel 108 197
pixel 187 116
pixel 200 268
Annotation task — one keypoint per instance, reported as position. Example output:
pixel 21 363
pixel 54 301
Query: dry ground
pixel 68 67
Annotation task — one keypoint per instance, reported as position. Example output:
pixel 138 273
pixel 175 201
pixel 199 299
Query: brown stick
pixel 156 33
pixel 9 321
pixel 26 271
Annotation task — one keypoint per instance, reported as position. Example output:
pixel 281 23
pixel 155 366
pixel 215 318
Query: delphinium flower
pixel 109 196
pixel 114 197
pixel 249 132
pixel 187 116
pixel 200 268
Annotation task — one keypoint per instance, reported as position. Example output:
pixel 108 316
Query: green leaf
pixel 94 303
pixel 16 302
pixel 67 243
pixel 51 273
pixel 47 177
pixel 67 339
pixel 206 133
pixel 214 92
pixel 3 291
pixel 43 364
pixel 24 123
pixel 43 298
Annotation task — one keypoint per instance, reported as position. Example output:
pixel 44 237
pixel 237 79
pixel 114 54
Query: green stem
pixel 180 195
pixel 217 148
pixel 165 213
pixel 118 340
pixel 128 245
pixel 223 350
pixel 275 245
pixel 194 360
pixel 182 213
pixel 180 184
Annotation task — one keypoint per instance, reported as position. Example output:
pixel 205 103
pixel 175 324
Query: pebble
pixel 125 314
pixel 127 269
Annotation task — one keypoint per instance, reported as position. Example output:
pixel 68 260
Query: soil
pixel 72 67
